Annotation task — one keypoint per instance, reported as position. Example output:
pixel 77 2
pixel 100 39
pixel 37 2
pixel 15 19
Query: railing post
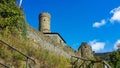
pixel 26 62
pixel 103 65
pixel 84 65
pixel 92 65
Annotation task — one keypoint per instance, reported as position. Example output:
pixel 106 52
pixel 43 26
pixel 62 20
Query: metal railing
pixel 4 65
pixel 27 57
pixel 92 62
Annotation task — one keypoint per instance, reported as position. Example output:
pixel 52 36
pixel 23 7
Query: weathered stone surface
pixel 85 50
pixel 44 22
pixel 56 38
pixel 53 42
pixel 39 40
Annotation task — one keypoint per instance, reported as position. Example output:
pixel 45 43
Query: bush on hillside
pixel 114 59
pixel 12 18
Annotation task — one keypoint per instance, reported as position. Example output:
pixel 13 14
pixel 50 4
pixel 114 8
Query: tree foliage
pixel 114 59
pixel 11 17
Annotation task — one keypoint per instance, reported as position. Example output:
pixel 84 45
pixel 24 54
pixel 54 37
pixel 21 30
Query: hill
pixel 103 55
pixel 22 46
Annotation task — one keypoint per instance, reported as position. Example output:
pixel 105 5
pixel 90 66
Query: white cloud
pixel 99 24
pixel 97 46
pixel 116 44
pixel 116 15
pixel 115 18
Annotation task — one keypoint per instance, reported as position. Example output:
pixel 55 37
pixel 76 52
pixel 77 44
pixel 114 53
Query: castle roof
pixel 56 34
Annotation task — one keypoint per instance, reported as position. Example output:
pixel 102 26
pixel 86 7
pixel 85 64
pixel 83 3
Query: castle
pixel 44 27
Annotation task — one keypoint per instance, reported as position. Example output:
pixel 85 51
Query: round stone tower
pixel 44 22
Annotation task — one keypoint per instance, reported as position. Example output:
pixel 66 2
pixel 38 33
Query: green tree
pixel 114 59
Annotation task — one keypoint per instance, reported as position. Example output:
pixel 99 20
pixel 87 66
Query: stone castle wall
pixel 54 42
pixel 40 41
pixel 49 44
pixel 56 38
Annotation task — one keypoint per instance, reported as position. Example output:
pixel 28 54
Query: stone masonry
pixel 53 42
pixel 44 27
pixel 85 50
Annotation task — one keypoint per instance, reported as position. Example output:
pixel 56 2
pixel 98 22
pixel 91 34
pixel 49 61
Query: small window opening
pixel 44 19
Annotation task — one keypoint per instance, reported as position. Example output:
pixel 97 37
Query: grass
pixel 43 57
pixel 13 30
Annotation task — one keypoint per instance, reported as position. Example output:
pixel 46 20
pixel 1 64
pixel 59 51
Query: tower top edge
pixel 45 14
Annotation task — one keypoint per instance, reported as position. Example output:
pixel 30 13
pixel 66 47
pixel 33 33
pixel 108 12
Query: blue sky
pixel 96 22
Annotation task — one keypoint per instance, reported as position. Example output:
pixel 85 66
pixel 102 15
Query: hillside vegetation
pixel 13 30
pixel 114 59
pixel 16 32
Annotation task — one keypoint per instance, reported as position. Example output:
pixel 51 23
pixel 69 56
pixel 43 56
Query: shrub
pixel 12 18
